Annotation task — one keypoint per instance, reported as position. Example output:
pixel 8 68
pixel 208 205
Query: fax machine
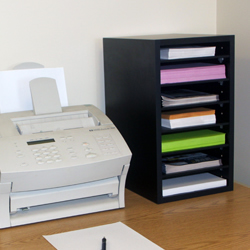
pixel 60 164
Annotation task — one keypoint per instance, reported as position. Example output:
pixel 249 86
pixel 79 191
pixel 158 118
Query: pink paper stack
pixel 192 72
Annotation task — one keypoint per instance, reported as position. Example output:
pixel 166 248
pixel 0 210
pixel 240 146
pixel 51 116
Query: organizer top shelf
pixel 171 36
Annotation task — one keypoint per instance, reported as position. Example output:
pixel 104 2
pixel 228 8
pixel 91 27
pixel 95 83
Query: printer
pixel 57 162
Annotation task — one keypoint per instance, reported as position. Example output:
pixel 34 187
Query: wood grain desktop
pixel 219 221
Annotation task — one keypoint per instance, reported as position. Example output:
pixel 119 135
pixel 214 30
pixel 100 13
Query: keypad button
pixel 91 155
pixel 40 162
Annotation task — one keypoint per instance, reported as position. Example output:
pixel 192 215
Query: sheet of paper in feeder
pixel 15 90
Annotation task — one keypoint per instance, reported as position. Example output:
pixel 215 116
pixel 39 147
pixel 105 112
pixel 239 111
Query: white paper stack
pixel 186 162
pixel 186 96
pixel 186 52
pixel 191 183
pixel 188 117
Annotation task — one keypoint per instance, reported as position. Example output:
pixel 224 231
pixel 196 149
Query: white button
pixel 91 155
pixel 105 149
pixel 24 164
pixel 40 162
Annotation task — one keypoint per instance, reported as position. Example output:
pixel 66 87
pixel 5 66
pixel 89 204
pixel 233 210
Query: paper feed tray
pixel 55 122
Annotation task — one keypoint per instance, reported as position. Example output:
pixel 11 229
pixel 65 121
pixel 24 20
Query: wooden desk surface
pixel 220 221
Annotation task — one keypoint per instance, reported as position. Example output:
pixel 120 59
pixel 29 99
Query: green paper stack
pixel 191 139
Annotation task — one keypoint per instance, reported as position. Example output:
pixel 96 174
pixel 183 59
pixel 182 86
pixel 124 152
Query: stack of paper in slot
pixel 191 139
pixel 186 96
pixel 188 117
pixel 185 162
pixel 191 183
pixel 187 52
pixel 192 72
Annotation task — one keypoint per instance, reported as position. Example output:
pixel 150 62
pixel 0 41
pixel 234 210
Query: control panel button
pixel 91 155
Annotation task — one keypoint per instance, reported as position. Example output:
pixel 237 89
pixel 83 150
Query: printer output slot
pixel 64 209
pixel 38 206
pixel 22 201
pixel 44 132
pixel 72 128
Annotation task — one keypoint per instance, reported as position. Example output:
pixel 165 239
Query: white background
pixel 68 33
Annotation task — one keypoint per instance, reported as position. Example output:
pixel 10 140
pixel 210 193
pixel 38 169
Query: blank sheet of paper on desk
pixel 118 235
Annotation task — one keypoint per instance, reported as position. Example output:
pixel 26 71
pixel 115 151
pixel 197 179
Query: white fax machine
pixel 61 164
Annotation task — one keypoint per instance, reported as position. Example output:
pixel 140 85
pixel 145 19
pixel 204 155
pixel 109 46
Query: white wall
pixel 233 17
pixel 68 33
